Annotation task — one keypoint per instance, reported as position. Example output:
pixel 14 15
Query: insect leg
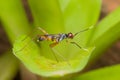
pixel 79 46
pixel 42 30
pixel 55 51
pixel 25 44
pixel 51 46
pixel 38 28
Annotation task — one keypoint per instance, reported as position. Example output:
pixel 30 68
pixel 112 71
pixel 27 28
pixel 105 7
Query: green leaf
pixel 8 66
pixel 39 64
pixel 107 73
pixel 59 16
pixel 13 18
pixel 106 32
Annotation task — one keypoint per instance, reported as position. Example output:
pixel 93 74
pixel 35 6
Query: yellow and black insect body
pixel 56 38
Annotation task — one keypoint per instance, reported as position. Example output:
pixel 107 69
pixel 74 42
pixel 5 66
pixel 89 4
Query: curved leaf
pixel 106 32
pixel 59 17
pixel 107 73
pixel 37 63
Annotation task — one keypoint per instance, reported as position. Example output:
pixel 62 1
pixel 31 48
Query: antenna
pixel 84 30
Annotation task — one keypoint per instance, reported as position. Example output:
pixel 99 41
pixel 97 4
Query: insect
pixel 57 38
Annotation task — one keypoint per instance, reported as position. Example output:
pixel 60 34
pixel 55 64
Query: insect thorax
pixel 62 36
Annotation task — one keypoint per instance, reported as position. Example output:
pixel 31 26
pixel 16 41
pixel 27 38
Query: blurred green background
pixel 58 16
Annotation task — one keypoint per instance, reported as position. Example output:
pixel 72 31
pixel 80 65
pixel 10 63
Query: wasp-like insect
pixel 56 38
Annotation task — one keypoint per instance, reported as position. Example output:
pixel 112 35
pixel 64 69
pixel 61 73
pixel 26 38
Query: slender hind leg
pixel 38 28
pixel 79 46
pixel 51 46
pixel 25 44
pixel 55 51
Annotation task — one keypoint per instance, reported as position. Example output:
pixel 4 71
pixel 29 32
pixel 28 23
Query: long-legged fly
pixel 56 38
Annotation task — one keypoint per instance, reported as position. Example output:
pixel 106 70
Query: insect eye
pixel 70 35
